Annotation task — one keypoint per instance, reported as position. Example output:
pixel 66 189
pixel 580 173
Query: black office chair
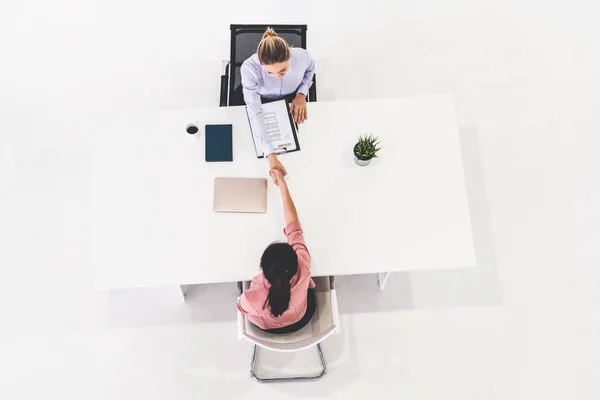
pixel 244 41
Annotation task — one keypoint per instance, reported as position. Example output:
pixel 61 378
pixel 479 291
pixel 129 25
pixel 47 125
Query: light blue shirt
pixel 256 83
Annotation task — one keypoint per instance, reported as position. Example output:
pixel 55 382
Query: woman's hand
pixel 277 176
pixel 298 108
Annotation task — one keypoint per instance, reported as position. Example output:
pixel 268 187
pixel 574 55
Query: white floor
pixel 524 324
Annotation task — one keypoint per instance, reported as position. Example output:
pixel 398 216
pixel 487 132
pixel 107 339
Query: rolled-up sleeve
pixel 307 81
pixel 295 238
pixel 254 107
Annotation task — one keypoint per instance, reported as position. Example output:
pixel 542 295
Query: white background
pixel 523 325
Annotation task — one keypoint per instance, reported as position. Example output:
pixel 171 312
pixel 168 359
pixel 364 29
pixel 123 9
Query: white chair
pixel 324 323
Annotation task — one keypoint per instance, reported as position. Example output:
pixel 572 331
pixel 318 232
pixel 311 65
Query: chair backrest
pixel 324 324
pixel 244 41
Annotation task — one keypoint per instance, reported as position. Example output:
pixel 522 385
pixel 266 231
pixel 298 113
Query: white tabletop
pixel 153 222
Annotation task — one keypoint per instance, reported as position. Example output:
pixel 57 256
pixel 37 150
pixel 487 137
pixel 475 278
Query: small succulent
pixel 367 147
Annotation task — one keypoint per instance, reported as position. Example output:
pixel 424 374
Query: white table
pixel 153 223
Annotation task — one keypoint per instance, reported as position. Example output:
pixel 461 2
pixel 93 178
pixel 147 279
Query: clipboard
pixel 294 127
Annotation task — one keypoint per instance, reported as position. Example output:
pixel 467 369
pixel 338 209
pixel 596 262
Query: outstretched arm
pixel 293 229
pixel 289 209
pixel 256 115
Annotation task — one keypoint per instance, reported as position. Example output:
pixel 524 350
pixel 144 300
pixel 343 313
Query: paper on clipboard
pixel 278 128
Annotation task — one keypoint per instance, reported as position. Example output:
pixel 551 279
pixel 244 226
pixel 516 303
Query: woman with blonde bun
pixel 274 72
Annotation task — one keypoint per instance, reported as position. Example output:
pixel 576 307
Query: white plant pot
pixel 362 163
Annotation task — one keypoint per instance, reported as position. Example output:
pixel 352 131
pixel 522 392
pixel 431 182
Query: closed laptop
pixel 240 195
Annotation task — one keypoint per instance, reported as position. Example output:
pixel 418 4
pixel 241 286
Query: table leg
pixel 383 278
pixel 183 289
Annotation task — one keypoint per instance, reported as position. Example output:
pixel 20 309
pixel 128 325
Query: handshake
pixel 277 170
pixel 277 176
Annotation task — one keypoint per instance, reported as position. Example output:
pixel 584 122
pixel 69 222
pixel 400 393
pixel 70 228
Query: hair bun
pixel 270 32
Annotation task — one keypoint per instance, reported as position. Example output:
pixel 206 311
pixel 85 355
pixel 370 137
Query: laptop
pixel 240 195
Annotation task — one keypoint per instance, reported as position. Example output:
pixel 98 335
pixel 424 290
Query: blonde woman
pixel 275 72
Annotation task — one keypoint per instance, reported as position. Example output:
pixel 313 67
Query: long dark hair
pixel 279 263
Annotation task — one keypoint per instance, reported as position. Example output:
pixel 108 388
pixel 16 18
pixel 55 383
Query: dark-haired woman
pixel 281 299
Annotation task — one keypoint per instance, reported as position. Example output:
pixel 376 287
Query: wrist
pixel 302 95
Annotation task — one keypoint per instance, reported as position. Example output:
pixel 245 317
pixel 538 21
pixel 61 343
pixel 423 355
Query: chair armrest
pixel 241 324
pixel 312 91
pixel 224 85
pixel 335 312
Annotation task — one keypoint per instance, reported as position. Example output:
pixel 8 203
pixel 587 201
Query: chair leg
pixel 291 378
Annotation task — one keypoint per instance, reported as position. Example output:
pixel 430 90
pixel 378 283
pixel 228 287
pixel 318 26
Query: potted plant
pixel 366 149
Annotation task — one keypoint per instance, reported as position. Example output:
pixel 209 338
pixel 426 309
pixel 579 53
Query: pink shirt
pixel 252 301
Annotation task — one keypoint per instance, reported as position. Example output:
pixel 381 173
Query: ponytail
pixel 270 32
pixel 278 299
pixel 279 263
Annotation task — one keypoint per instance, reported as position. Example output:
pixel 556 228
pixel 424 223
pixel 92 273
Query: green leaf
pixel 367 146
